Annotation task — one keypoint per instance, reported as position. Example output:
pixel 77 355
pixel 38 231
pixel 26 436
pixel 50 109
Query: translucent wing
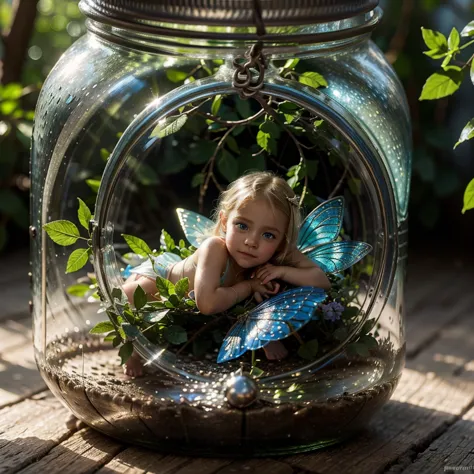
pixel 335 257
pixel 233 345
pixel 322 225
pixel 271 320
pixel 158 267
pixel 196 228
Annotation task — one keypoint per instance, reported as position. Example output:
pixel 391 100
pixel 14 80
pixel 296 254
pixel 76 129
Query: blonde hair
pixel 277 192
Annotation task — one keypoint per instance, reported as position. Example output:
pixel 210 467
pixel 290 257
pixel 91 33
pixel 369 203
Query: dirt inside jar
pixel 172 415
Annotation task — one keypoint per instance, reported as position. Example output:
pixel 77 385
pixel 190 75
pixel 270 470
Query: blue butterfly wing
pixel 196 228
pixel 271 320
pixel 322 225
pixel 233 345
pixel 158 267
pixel 335 257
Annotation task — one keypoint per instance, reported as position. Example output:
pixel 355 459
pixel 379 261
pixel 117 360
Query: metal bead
pixel 241 391
pixel 33 231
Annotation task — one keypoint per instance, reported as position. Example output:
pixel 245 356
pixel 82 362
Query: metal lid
pixel 225 12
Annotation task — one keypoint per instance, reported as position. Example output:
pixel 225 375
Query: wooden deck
pixel 428 426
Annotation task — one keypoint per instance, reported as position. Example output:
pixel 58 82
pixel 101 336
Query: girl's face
pixel 254 232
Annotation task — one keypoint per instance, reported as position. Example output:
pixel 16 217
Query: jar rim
pixel 227 12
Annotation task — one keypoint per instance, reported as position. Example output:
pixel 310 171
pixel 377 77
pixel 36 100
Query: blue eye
pixel 241 226
pixel 268 235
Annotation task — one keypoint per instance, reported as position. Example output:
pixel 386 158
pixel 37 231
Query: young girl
pixel 253 245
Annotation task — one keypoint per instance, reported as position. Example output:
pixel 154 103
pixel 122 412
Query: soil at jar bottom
pixel 162 413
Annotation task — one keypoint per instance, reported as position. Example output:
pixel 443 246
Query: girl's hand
pixel 269 272
pixel 264 291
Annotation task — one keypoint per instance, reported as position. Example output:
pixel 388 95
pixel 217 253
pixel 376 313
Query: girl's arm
pixel 147 284
pixel 304 272
pixel 210 296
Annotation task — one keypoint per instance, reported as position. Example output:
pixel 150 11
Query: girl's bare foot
pixel 275 350
pixel 73 423
pixel 134 366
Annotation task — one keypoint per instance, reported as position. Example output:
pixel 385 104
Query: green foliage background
pixel 440 174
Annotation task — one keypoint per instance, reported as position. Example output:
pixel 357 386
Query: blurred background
pixel 36 32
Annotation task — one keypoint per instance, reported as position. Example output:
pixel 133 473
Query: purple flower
pixel 332 311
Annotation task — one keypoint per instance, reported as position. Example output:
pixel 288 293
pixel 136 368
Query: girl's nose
pixel 251 241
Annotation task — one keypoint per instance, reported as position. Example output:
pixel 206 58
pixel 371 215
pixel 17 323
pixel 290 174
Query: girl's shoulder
pixel 214 243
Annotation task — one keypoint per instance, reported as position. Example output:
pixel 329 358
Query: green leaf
pixel 434 39
pixel 111 336
pixel 11 91
pixel 354 186
pixel 174 300
pixel 266 142
pixel 84 214
pixel 93 184
pixel 102 327
pixel 271 128
pixel 131 331
pixel 369 341
pixel 228 166
pixel 175 334
pixel 231 143
pixel 77 260
pixel 467 132
pixel 169 126
pixel 104 154
pixel 313 79
pixel 468 30
pixel 341 334
pixel 288 107
pixel 125 352
pixel 243 107
pixel 139 297
pixel 248 162
pixel 181 287
pixel 359 349
pixel 197 180
pixel 291 63
pixel 468 197
pixel 256 372
pixel 167 241
pixel 156 316
pixel 174 75
pixel 441 84
pixel 137 245
pixel 165 287
pixel 216 104
pixel 309 350
pixel 117 341
pixel 62 232
pixel 78 290
pixel 311 168
pixel 454 39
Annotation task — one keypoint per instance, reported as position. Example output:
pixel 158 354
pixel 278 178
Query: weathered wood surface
pixel 428 426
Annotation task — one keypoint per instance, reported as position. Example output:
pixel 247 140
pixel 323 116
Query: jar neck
pixel 210 42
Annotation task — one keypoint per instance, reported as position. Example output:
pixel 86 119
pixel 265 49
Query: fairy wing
pixel 159 265
pixel 322 225
pixel 271 320
pixel 196 228
pixel 335 257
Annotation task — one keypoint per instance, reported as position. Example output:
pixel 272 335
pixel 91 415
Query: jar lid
pixel 225 12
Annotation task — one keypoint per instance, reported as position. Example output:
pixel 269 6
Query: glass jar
pixel 160 106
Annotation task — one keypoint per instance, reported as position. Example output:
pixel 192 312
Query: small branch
pixel 231 123
pixel 210 166
pixel 339 183
pixel 271 112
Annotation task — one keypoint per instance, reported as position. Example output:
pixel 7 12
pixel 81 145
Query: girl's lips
pixel 245 254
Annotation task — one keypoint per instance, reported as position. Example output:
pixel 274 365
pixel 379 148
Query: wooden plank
pixel 84 452
pixel 440 310
pixel 19 376
pixel 451 451
pixel 434 391
pixel 29 430
pixel 141 461
pixel 15 333
pixel 15 286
